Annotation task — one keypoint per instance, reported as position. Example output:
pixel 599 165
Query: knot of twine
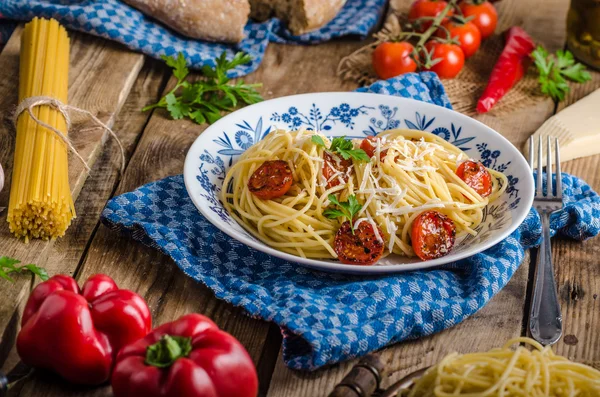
pixel 28 104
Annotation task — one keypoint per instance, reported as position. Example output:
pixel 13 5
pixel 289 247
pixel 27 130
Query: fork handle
pixel 545 321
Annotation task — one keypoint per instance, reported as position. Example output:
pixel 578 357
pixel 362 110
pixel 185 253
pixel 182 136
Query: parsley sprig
pixel 7 266
pixel 343 147
pixel 347 209
pixel 556 69
pixel 206 99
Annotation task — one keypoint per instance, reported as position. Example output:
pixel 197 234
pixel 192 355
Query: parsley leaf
pixel 207 99
pixel 317 140
pixel 347 209
pixel 554 71
pixel 7 266
pixel 343 147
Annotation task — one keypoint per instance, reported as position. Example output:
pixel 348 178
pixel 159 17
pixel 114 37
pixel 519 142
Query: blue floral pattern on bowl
pixel 354 119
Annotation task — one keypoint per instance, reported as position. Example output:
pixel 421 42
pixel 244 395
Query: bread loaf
pixel 214 20
pixel 301 16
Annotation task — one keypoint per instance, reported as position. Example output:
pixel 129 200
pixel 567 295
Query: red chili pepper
pixel 78 334
pixel 509 69
pixel 188 357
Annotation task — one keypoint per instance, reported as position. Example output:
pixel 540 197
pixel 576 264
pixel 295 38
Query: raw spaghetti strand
pixel 531 370
pixel 417 173
pixel 40 203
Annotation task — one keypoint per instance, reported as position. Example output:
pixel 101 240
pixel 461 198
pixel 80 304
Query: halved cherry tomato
pixel 360 248
pixel 466 33
pixel 271 180
pixel 484 14
pixel 333 164
pixel 432 235
pixel 427 8
pixel 393 59
pixel 476 176
pixel 452 59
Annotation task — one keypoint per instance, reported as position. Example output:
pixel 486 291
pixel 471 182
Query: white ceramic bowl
pixel 357 115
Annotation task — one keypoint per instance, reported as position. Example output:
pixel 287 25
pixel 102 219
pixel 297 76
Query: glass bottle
pixel 583 31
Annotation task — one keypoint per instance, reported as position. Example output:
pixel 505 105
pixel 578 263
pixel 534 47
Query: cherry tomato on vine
pixel 432 235
pixel 484 14
pixel 427 9
pixel 452 59
pixel 392 59
pixel 466 33
pixel 476 176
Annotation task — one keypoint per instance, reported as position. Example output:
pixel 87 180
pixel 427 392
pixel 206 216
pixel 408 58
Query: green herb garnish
pixel 205 100
pixel 7 266
pixel 347 209
pixel 343 147
pixel 556 69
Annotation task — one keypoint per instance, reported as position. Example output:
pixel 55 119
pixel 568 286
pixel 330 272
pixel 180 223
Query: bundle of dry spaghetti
pixel 40 203
pixel 506 372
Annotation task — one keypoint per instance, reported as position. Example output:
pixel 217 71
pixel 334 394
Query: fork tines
pixel 549 188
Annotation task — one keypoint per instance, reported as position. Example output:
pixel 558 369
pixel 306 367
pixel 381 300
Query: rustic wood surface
pixel 156 148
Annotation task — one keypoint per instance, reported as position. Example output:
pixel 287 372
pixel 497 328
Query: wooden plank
pixel 92 60
pixel 65 255
pixel 502 318
pixel 161 152
pixel 576 264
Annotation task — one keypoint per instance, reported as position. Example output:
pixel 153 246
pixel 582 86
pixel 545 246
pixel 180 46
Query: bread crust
pixel 213 20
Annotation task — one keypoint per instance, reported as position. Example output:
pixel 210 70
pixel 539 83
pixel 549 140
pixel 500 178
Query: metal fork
pixel 545 320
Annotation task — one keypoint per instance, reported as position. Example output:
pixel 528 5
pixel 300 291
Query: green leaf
pixel 7 266
pixel 333 199
pixel 333 213
pixel 180 70
pixel 317 140
pixel 555 69
pixel 197 116
pixel 340 142
pixel 356 154
pixel 38 271
pixel 177 109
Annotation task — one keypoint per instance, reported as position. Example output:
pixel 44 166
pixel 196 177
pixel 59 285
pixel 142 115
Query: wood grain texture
pixel 66 254
pixel 577 265
pixel 92 60
pixel 503 317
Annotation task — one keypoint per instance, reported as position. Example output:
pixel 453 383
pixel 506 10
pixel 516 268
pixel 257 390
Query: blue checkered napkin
pixel 327 318
pixel 117 21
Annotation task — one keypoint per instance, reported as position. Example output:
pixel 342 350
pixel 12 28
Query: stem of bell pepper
pixel 509 69
pixel 167 350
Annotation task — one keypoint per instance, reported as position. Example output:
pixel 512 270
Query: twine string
pixel 28 104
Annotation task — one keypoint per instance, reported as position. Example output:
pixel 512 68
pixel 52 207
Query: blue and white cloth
pixel 327 318
pixel 115 20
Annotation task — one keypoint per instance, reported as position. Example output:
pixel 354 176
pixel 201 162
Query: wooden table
pixel 114 83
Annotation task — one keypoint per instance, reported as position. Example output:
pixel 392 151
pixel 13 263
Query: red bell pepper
pixel 78 334
pixel 189 357
pixel 509 69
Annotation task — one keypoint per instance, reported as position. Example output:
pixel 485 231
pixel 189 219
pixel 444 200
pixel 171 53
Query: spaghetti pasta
pixel 40 203
pixel 409 172
pixel 506 372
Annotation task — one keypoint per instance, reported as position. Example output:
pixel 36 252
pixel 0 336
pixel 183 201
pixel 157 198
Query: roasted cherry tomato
pixel 484 14
pixel 271 180
pixel 369 145
pixel 393 59
pixel 476 176
pixel 466 33
pixel 333 164
pixel 433 235
pixel 360 248
pixel 452 59
pixel 429 9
